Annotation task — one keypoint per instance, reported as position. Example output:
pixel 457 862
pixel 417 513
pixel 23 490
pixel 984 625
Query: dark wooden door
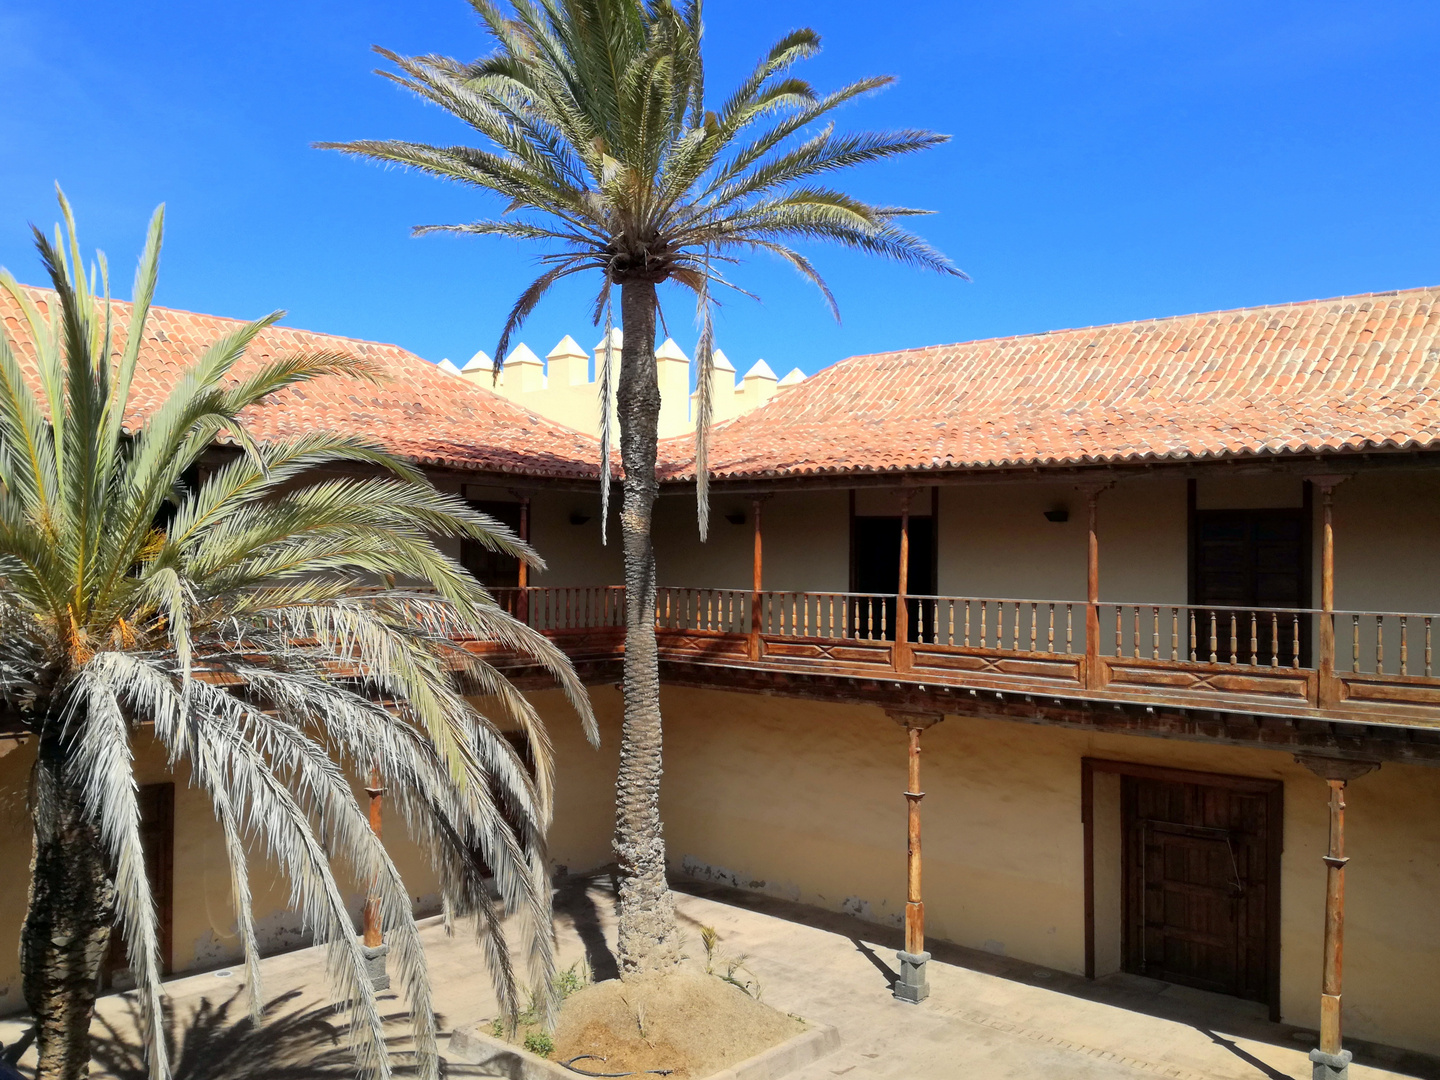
pixel 875 558
pixel 493 569
pixel 1201 878
pixel 157 840
pixel 1252 559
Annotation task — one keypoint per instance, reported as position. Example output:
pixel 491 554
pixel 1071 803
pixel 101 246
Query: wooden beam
pixel 1092 589
pixel 1328 688
pixel 902 606
pixel 757 586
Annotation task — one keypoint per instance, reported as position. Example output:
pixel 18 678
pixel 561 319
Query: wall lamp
pixel 577 518
pixel 736 517
pixel 1062 514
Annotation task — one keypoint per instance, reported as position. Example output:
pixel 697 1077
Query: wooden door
pixel 1252 559
pixel 1201 872
pixel 157 840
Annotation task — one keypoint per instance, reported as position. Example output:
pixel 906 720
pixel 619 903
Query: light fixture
pixel 736 517
pixel 577 518
pixel 1060 514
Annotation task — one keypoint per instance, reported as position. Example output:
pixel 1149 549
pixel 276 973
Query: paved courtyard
pixel 988 1017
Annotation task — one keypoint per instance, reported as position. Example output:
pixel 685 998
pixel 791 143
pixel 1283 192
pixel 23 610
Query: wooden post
pixel 1326 681
pixel 914 898
pixel 902 607
pixel 912 985
pixel 757 586
pixel 1331 1060
pixel 374 940
pixel 373 937
pixel 1093 678
pixel 522 605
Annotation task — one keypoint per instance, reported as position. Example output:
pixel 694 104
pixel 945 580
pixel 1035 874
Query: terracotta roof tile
pixel 420 412
pixel 1354 373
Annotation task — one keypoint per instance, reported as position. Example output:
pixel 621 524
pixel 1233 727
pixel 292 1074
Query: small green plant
pixel 497 1028
pixel 537 1042
pixel 710 938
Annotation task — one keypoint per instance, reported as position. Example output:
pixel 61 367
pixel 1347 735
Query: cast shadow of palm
pixel 223 1042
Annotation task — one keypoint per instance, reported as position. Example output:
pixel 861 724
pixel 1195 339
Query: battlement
pixel 564 386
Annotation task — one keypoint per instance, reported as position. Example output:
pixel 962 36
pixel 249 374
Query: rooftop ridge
pixel 1134 322
pixel 238 321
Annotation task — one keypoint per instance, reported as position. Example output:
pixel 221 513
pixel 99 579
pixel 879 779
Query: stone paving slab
pixel 987 1018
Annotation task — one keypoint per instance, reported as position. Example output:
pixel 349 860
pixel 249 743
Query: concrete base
pixel 912 986
pixel 375 966
pixel 1330 1066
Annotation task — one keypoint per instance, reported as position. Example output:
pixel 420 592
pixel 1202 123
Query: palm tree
pixel 227 619
pixel 600 140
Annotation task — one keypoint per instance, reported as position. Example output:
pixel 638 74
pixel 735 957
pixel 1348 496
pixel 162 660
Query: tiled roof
pixel 420 412
pixel 1351 373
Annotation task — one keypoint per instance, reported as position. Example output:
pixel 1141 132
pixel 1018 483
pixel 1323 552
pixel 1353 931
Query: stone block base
pixel 1330 1066
pixel 912 986
pixel 375 966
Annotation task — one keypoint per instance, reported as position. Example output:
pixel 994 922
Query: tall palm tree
pixel 226 621
pixel 600 139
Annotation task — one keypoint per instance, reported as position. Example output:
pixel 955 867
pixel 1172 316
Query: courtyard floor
pixel 988 1017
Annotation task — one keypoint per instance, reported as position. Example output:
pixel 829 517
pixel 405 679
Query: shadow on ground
pixel 223 1042
pixel 1207 1013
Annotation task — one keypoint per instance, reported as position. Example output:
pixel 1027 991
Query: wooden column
pixel 1093 678
pixel 373 936
pixel 902 609
pixel 1328 689
pixel 757 586
pixel 912 985
pixel 1330 1058
pixel 523 612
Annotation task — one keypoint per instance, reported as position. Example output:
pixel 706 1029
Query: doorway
pixel 875 568
pixel 493 569
pixel 1243 559
pixel 1197 871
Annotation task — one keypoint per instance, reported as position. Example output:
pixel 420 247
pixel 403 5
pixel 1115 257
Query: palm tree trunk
pixel 647 935
pixel 67 926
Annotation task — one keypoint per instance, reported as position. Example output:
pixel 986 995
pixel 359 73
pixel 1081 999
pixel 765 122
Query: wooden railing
pixel 1385 642
pixel 1252 637
pixel 1373 663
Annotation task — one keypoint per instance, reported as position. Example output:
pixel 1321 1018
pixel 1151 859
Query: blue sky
pixel 1111 160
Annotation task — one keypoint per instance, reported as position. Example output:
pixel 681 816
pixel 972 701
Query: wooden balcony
pixel 1367 666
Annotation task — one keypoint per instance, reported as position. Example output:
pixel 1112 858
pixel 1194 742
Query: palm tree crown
pixel 603 145
pixel 226 616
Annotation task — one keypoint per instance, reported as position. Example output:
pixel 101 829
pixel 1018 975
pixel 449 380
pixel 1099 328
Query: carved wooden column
pixel 1328 689
pixel 1092 589
pixel 912 985
pixel 757 586
pixel 374 941
pixel 1331 1061
pixel 902 607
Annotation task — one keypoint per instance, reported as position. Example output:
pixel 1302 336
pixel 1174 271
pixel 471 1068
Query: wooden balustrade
pixel 1249 637
pixel 1382 662
pixel 720 611
pixel 1046 626
pixel 1384 643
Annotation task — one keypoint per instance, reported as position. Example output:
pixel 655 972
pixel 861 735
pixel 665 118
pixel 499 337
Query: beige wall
pixel 204 933
pixel 806 537
pixel 803 800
